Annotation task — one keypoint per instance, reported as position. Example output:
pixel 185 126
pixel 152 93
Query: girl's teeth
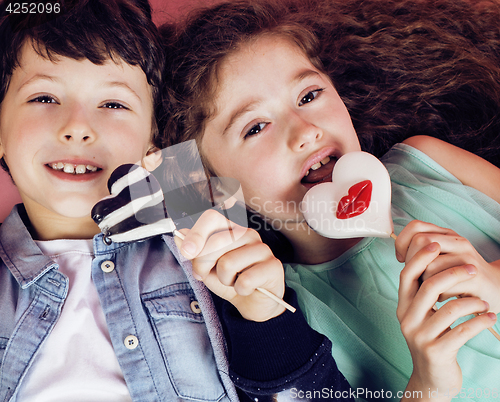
pixel 59 166
pixel 92 168
pixel 80 169
pixel 316 166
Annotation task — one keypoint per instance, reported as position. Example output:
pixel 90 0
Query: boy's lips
pixel 75 170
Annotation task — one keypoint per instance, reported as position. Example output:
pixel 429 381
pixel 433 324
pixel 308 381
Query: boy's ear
pixel 152 159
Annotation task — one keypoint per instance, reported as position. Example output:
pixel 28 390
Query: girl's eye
pixel 255 130
pixel 113 105
pixel 43 99
pixel 310 96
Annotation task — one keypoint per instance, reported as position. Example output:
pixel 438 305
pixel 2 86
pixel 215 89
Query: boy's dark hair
pixel 97 30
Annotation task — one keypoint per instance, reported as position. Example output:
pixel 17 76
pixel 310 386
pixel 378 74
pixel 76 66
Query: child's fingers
pixel 220 244
pixel 409 282
pixel 414 232
pixel 235 262
pixel 210 222
pixel 458 336
pixel 429 292
pixel 450 312
pixel 265 275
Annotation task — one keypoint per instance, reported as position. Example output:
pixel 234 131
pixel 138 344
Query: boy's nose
pixel 302 133
pixel 77 129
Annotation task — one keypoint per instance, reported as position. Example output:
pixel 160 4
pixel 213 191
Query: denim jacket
pixel 162 322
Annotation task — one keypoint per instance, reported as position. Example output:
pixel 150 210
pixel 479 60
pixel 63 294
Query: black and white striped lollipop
pixel 135 209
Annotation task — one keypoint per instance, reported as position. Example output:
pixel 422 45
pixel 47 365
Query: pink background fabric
pixel 163 11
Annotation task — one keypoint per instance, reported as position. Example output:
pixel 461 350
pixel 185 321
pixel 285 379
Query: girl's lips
pixel 321 175
pixel 317 158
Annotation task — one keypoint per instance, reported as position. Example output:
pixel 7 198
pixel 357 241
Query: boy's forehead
pixel 33 66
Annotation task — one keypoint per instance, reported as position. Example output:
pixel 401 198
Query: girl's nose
pixel 302 133
pixel 77 128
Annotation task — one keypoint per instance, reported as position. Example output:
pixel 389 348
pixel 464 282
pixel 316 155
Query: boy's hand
pixel 432 343
pixel 232 261
pixel 455 251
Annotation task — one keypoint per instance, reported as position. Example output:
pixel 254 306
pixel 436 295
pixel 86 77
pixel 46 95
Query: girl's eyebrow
pixel 300 76
pixel 303 74
pixel 240 112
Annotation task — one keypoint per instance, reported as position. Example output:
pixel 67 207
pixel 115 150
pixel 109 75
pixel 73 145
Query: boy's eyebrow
pixel 38 77
pixel 122 84
pixel 239 112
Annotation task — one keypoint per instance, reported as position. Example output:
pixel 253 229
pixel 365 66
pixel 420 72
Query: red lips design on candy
pixel 357 203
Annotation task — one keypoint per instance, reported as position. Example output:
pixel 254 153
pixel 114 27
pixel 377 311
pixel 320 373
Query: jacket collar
pixel 19 252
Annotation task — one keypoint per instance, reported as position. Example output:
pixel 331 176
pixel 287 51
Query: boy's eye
pixel 255 129
pixel 310 96
pixel 43 99
pixel 113 105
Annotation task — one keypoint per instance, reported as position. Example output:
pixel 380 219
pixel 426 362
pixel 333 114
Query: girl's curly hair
pixel 402 67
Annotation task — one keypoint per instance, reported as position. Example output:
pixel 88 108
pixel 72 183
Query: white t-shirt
pixel 76 362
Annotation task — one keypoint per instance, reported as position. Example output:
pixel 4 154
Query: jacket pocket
pixel 181 333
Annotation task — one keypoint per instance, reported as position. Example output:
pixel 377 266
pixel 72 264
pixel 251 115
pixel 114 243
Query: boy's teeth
pixel 73 169
pixel 69 168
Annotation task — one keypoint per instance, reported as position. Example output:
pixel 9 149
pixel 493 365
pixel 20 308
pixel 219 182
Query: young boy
pixel 83 320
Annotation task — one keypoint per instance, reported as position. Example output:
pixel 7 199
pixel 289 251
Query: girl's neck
pixel 312 248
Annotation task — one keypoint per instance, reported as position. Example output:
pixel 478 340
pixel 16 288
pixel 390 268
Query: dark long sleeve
pixel 283 353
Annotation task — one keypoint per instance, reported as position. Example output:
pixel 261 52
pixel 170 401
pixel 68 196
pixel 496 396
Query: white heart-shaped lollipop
pixel 357 203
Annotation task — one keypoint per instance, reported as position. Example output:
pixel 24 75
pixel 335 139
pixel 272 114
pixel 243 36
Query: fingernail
pixel 399 257
pixel 486 305
pixel 189 249
pixel 471 269
pixel 493 316
pixel 197 277
pixel 432 247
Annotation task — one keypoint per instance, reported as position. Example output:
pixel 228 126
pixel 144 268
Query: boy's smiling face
pixel 71 115
pixel 278 128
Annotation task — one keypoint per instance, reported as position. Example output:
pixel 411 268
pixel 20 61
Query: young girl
pixel 246 80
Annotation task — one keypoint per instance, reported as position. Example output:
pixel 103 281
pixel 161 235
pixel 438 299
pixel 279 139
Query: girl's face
pixel 279 126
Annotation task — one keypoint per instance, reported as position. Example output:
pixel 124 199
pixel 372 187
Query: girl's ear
pixel 152 159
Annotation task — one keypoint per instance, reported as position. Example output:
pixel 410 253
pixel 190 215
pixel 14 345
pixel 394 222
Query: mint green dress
pixel 353 298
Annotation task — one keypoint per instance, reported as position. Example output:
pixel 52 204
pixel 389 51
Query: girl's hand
pixel 455 251
pixel 432 343
pixel 232 261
